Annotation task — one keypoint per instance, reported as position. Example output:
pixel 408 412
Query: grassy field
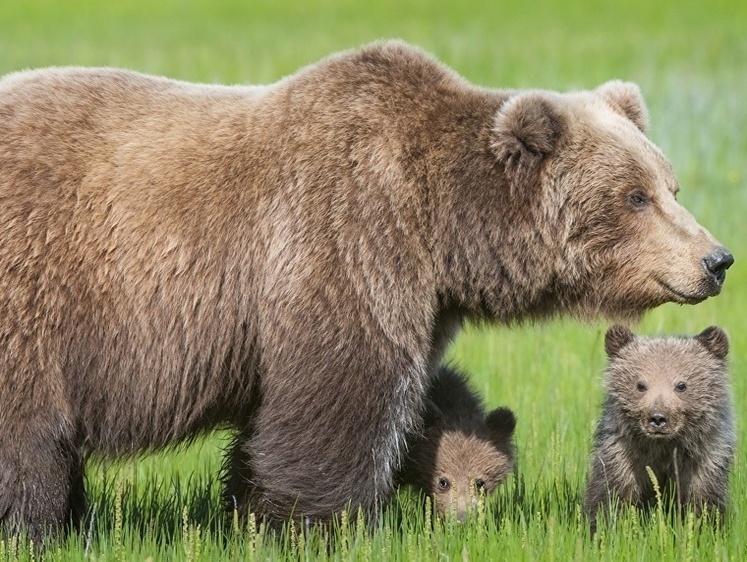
pixel 690 59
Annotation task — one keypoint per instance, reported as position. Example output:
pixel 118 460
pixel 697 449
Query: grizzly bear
pixel 668 410
pixel 292 261
pixel 463 451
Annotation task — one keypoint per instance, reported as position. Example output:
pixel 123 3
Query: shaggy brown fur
pixel 668 407
pixel 293 259
pixel 462 451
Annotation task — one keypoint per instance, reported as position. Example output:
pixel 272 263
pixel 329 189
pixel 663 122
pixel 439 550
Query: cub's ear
pixel 626 99
pixel 526 130
pixel 501 423
pixel 715 340
pixel 616 338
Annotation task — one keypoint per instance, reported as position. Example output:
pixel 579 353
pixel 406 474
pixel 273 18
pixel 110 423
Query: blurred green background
pixel 538 44
pixel 690 59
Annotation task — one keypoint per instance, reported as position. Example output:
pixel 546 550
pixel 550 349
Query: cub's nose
pixel 717 263
pixel 657 420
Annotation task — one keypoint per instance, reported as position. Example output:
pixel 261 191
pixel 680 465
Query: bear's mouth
pixel 663 432
pixel 681 297
pixel 657 433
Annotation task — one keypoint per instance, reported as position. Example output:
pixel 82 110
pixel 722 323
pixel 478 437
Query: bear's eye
pixel 443 484
pixel 480 484
pixel 641 387
pixel 638 199
pixel 680 387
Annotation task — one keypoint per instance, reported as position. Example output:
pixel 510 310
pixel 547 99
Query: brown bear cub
pixel 668 409
pixel 463 451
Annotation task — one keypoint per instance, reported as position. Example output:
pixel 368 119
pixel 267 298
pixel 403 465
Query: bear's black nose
pixel 717 263
pixel 657 420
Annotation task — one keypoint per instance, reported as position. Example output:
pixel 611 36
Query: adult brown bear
pixel 292 260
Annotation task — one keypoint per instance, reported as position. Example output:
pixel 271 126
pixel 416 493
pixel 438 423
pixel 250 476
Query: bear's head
pixel 664 388
pixel 465 464
pixel 577 213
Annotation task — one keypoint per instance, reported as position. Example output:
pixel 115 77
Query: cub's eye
pixel 638 199
pixel 443 484
pixel 641 387
pixel 480 484
pixel 680 387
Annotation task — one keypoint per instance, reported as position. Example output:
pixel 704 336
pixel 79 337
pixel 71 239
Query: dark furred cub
pixel 462 451
pixel 668 407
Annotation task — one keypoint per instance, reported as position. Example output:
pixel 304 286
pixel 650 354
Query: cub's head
pixel 667 387
pixel 603 200
pixel 466 464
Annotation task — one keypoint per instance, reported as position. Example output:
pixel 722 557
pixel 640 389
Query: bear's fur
pixel 292 260
pixel 668 408
pixel 462 451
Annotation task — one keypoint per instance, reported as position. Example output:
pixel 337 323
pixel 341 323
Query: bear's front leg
pixel 707 489
pixel 328 437
pixel 611 484
pixel 41 486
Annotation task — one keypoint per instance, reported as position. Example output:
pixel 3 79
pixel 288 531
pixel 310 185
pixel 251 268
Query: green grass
pixel 689 57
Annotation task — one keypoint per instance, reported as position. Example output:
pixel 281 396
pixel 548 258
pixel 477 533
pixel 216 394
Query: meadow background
pixel 690 59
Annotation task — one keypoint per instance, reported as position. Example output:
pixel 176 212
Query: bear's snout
pixel 657 420
pixel 717 263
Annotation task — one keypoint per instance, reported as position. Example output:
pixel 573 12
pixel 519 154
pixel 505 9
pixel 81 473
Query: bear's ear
pixel 616 338
pixel 715 340
pixel 626 99
pixel 527 129
pixel 501 423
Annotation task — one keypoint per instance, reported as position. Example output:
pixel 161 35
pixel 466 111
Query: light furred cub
pixel 668 409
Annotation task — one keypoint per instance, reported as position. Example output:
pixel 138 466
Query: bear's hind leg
pixel 238 478
pixel 77 499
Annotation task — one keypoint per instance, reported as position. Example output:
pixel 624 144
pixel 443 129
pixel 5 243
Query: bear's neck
pixel 495 254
